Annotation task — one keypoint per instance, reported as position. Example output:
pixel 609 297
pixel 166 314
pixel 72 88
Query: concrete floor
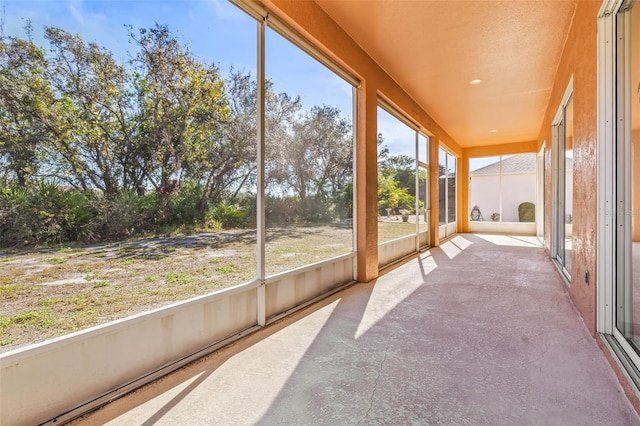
pixel 479 331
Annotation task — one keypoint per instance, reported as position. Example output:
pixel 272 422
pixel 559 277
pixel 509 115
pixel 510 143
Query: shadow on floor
pixel 476 332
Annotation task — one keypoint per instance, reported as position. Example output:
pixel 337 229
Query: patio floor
pixel 479 331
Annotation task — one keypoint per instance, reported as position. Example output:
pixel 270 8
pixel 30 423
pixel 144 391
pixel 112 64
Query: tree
pixel 392 196
pixel 321 154
pixel 232 165
pixel 396 180
pixel 25 99
pixel 182 108
pixel 281 114
pixel 403 169
pixel 93 108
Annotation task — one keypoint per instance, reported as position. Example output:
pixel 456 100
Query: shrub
pixel 527 212
pixel 392 196
pixel 75 215
pixel 280 211
pixel 186 204
pixel 127 213
pixel 45 213
pixel 315 210
pixel 228 215
pixel 344 202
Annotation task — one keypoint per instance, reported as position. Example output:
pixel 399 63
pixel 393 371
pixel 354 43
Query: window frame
pixel 447 228
pixel 558 181
pixel 611 99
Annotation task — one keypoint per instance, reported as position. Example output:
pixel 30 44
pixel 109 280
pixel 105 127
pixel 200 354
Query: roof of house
pixel 520 163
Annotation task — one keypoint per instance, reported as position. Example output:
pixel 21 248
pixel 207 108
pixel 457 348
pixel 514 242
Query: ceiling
pixel 433 49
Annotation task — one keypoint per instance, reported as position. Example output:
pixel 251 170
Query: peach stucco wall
pixel 309 20
pixel 579 59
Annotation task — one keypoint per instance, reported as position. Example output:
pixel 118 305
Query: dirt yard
pixel 50 292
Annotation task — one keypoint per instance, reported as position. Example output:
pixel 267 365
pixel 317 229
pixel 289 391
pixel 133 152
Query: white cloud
pixel 75 9
pixel 341 85
pixel 223 10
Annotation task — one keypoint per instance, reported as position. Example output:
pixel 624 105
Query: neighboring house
pixel 499 188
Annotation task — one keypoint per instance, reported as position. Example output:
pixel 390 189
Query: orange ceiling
pixel 433 49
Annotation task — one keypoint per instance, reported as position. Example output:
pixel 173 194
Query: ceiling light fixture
pixel 493 131
pixel 474 82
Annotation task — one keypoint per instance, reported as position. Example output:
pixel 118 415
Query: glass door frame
pixel 623 291
pixel 446 229
pixel 559 185
pixel 614 190
pixel 540 201
pixel 423 165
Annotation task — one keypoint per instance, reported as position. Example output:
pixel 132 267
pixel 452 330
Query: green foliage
pixel 392 196
pixel 226 269
pixel 182 104
pixel 177 278
pixel 45 212
pixel 25 103
pixel 396 182
pixel 75 214
pixel 92 148
pixel 127 214
pixel 527 212
pixel 186 204
pixel 315 210
pixel 28 318
pixel 55 261
pixel 228 215
pixel 92 113
pixel 281 210
pixel 344 202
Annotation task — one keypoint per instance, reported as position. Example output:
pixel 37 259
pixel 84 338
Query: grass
pixel 388 231
pixel 147 256
pixel 177 278
pixel 35 308
pixel 226 269
pixel 39 318
pixel 50 302
pixel 55 261
pixel 11 291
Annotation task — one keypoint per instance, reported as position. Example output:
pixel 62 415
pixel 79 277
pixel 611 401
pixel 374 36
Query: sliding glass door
pixel 446 193
pixel 627 290
pixel 562 237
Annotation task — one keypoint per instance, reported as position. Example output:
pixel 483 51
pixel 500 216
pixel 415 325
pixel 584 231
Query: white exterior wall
pixel 484 193
pixel 516 189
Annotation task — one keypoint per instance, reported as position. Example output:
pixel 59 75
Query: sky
pixel 217 32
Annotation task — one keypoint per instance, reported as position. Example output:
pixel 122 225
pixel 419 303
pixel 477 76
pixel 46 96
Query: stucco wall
pixel 579 59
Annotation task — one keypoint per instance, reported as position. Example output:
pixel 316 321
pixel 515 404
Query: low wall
pixel 57 380
pixel 390 251
pixel 288 290
pixel 515 228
